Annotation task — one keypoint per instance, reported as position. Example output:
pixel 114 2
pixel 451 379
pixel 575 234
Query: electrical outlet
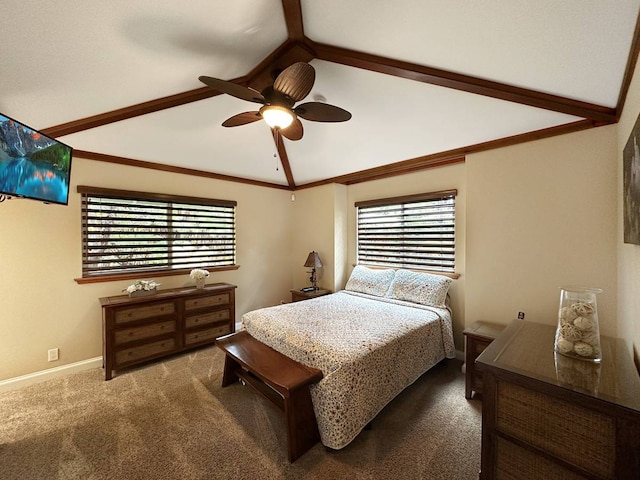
pixel 520 315
pixel 53 354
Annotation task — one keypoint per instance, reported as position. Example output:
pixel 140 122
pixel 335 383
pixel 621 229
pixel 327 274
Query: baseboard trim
pixel 48 374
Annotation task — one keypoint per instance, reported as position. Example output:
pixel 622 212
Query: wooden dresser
pixel 138 329
pixel 546 416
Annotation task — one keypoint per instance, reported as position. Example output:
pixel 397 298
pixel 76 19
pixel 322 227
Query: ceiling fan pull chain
pixel 275 155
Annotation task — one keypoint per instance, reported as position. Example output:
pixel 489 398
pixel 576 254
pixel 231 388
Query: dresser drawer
pixel 204 335
pixel 141 312
pixel 146 331
pixel 209 301
pixel 562 429
pixel 516 463
pixel 207 318
pixel 145 351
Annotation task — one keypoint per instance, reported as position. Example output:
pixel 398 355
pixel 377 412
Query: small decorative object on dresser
pixel 477 337
pixel 200 276
pixel 305 294
pixel 142 288
pixel 578 332
pixel 136 330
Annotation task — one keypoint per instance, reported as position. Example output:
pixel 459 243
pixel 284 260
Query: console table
pixel 547 416
pixel 138 329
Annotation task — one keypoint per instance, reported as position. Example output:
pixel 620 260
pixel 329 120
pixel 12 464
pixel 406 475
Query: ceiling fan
pixel 292 85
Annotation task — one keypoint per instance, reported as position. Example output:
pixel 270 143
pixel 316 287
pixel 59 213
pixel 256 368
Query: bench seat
pixel 280 379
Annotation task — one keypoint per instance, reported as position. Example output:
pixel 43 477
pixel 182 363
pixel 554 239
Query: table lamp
pixel 313 261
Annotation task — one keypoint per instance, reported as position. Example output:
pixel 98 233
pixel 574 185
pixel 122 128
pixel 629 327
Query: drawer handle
pixel 161 327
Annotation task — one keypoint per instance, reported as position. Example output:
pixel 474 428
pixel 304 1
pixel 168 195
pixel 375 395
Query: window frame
pixel 400 202
pixel 156 197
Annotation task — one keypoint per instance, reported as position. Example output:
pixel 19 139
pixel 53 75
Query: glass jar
pixel 578 333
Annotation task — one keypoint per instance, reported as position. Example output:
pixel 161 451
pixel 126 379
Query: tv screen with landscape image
pixel 33 165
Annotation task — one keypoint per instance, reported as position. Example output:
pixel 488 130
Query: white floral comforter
pixel 368 348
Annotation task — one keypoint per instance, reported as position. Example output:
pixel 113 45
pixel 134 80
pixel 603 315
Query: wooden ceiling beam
pixel 293 19
pixel 628 73
pixel 461 82
pixel 133 111
pixel 284 158
pixel 449 157
pixel 101 157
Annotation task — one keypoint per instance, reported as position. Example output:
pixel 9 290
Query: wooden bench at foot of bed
pixel 280 379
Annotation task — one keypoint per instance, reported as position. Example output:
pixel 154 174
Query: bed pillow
pixel 422 288
pixel 368 280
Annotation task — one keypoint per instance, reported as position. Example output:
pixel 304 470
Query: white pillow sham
pixel 371 281
pixel 423 288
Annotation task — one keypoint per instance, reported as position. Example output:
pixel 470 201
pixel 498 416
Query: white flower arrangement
pixel 146 285
pixel 198 274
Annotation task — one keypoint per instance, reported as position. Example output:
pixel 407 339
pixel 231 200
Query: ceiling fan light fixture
pixel 277 117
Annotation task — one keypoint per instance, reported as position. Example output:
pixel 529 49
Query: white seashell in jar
pixel 564 345
pixel 583 349
pixel 590 337
pixel 567 314
pixel 583 323
pixel 582 309
pixel 570 332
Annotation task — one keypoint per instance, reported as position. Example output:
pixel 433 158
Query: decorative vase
pixel 200 283
pixel 578 332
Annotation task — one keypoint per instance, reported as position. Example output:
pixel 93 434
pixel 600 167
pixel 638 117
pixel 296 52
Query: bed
pixel 370 340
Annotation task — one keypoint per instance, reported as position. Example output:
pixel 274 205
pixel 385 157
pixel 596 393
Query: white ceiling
pixel 68 60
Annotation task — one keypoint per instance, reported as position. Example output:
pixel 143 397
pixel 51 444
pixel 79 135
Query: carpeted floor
pixel 172 420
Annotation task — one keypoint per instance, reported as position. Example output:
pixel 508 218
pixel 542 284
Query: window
pixel 415 231
pixel 127 233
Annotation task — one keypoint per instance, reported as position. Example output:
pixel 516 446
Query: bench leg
pixel 302 427
pixel 229 376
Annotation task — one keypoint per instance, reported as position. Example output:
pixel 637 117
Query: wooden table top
pixel 526 348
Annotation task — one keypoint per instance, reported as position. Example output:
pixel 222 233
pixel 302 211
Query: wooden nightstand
pixel 477 337
pixel 298 295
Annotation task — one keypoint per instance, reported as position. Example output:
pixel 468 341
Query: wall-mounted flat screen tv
pixel 33 165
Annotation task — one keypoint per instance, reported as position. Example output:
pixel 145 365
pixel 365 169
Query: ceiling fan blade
pixel 233 89
pixel 295 81
pixel 242 119
pixel 293 131
pixel 322 112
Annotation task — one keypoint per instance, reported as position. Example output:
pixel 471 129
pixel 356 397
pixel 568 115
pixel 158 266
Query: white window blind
pixel 135 232
pixel 415 231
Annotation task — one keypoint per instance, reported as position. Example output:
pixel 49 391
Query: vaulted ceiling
pixel 427 81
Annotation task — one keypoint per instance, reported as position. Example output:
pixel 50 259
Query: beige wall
pixel 42 306
pixel 628 314
pixel 541 215
pixel 319 223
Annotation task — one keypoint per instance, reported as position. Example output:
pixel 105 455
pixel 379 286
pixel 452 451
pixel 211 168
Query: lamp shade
pixel 313 260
